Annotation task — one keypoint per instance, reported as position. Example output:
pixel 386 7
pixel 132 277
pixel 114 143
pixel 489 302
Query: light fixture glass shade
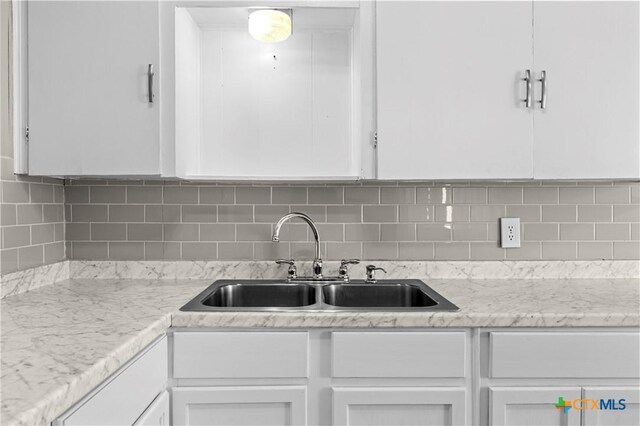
pixel 270 25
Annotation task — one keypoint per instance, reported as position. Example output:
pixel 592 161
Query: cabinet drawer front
pixel 127 395
pixel 398 354
pixel 240 355
pixel 571 354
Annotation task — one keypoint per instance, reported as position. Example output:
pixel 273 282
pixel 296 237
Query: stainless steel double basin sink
pixel 274 295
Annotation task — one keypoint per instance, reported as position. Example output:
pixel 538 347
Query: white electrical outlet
pixel 510 232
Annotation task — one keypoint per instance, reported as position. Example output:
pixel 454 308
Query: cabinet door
pixel 615 415
pixel 157 413
pixel 449 89
pixel 399 406
pixel 589 128
pixel 126 395
pixel 89 112
pixel 245 405
pixel 532 406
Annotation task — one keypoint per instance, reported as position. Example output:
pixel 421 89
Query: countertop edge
pixel 63 398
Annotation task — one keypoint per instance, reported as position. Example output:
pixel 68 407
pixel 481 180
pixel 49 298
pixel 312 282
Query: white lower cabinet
pixel 597 406
pixel 373 377
pixel 394 406
pixel 321 377
pixel 127 395
pixel 622 403
pixel 531 406
pixel 240 405
pixel 563 377
pixel 158 412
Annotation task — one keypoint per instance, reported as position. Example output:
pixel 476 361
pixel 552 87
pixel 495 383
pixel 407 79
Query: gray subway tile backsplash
pixel 108 231
pixel 505 195
pixel 595 213
pixel 400 195
pixel 542 195
pixel 559 250
pixel 144 232
pixel 577 195
pixel 613 231
pixel 626 250
pixel 180 195
pixel 143 194
pixel 135 220
pixel 126 213
pixel 288 195
pixel 43 233
pixel 217 195
pixel 558 213
pixel 577 231
pixel 361 195
pixel 415 251
pixel 126 250
pixel 253 195
pixel 107 194
pixel 613 195
pixel 325 195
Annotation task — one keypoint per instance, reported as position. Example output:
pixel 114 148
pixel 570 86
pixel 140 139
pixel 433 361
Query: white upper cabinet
pixel 89 108
pixel 449 88
pixel 442 83
pixel 589 128
pixel 247 109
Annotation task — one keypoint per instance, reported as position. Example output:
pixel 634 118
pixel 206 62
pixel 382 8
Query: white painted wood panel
pixel 240 354
pixel 449 83
pixel 242 405
pixel 532 406
pixel 157 414
pixel 275 111
pixel 188 90
pixel 398 354
pixel 630 416
pixel 127 394
pixel 386 406
pixel 590 52
pixel 88 100
pixel 570 354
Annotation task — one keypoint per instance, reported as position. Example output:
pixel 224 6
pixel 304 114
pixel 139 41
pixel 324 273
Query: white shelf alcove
pixel 293 110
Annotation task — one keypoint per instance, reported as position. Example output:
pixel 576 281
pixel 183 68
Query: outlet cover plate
pixel 510 232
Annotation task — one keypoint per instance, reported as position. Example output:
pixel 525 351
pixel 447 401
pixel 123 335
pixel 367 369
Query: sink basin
pixel 316 295
pixel 261 296
pixel 376 296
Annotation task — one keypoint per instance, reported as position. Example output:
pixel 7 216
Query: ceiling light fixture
pixel 271 25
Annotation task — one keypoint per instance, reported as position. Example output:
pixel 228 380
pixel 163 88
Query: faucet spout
pixel 317 261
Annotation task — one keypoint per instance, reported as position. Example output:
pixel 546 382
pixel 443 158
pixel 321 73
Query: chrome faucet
pixel 317 261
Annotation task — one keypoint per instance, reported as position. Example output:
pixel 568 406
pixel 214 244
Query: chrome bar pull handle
pixel 150 74
pixel 528 100
pixel 543 89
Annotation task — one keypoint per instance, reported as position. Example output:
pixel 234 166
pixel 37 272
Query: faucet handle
pixel 371 273
pixel 343 271
pixel 292 272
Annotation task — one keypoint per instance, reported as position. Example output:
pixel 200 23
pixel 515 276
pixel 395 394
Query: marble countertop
pixel 61 341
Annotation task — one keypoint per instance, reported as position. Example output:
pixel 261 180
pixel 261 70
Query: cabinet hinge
pixel 26 133
pixel 375 139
